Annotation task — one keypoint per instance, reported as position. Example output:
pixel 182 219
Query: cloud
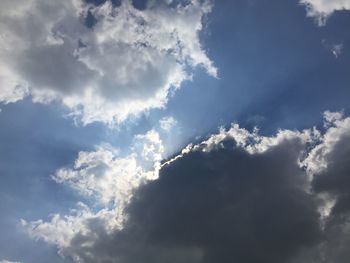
pixel 322 9
pixel 124 63
pixel 167 123
pixel 101 174
pixel 330 166
pixel 108 177
pixel 328 163
pixel 237 196
pixel 8 261
pixel 108 180
pixel 225 205
pixel 335 48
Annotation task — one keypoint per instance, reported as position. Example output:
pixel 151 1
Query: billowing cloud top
pixel 102 62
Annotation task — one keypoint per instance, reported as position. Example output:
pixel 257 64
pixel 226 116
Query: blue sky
pixel 95 96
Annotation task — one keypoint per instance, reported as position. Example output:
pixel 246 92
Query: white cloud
pixel 149 146
pixel 319 157
pixel 101 174
pixel 8 261
pixel 322 9
pixel 107 178
pixel 61 230
pixel 252 142
pixel 125 64
pixel 167 123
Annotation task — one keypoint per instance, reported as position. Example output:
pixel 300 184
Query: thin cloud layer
pixel 322 9
pixel 238 196
pixel 102 62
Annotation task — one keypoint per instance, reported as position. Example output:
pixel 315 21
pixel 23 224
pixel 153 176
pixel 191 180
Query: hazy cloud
pixel 167 123
pixel 322 9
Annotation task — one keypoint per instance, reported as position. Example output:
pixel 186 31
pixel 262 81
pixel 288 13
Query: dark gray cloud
pixel 226 205
pixel 236 197
pixel 334 181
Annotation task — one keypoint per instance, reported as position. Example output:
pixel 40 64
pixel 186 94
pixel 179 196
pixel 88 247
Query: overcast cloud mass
pixel 174 131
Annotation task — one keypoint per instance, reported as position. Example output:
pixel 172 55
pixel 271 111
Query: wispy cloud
pixel 322 9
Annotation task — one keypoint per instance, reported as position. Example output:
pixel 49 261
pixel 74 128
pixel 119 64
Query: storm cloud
pixel 227 205
pixel 235 197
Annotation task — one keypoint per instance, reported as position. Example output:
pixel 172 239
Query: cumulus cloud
pixel 328 163
pixel 8 261
pixel 123 63
pixel 94 174
pixel 237 196
pixel 108 179
pixel 322 9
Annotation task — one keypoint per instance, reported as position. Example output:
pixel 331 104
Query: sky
pixel 174 131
